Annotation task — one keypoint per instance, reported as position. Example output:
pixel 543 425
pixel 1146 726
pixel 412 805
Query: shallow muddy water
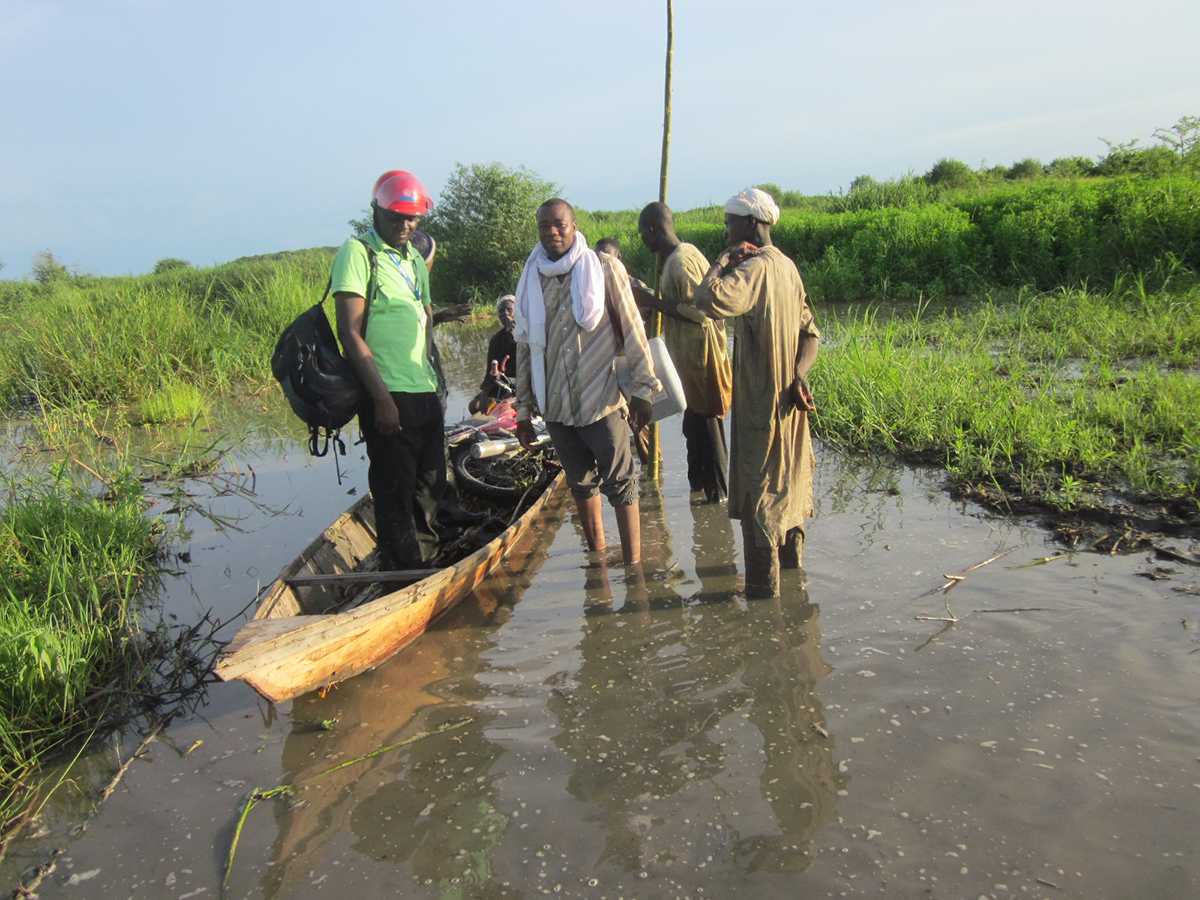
pixel 598 732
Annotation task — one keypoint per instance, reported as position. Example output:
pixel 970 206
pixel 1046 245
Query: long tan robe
pixel 771 463
pixel 697 343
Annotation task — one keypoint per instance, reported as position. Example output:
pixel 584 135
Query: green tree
pixel 1128 158
pixel 47 269
pixel 360 227
pixel 951 173
pixel 166 265
pixel 1183 139
pixel 773 189
pixel 1025 169
pixel 1071 167
pixel 485 226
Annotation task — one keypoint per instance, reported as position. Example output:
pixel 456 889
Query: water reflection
pixel 657 722
pixel 430 807
pixel 684 729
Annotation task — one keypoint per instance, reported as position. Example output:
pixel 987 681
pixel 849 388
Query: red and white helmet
pixel 401 192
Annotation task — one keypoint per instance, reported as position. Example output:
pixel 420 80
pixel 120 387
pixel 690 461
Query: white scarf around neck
pixel 587 301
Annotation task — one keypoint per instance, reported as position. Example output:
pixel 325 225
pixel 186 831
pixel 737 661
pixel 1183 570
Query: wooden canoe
pixel 296 644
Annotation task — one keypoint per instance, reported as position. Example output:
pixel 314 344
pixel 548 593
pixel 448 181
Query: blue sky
pixel 139 129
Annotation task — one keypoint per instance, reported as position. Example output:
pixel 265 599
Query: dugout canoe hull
pixel 292 647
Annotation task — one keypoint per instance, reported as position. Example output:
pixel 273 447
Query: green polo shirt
pixel 398 316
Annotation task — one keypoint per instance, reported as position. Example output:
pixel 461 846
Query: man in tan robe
pixel 697 345
pixel 775 345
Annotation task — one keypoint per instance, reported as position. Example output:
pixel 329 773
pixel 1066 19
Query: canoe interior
pixel 347 545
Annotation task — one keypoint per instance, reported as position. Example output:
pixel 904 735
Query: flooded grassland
pixel 585 730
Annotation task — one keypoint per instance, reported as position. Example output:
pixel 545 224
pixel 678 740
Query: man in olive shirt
pixel 402 418
pixel 697 345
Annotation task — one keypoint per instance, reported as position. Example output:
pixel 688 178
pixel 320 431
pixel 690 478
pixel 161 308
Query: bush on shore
pixel 1042 233
pixel 72 567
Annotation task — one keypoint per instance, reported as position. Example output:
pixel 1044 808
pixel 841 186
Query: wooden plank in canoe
pixel 398 575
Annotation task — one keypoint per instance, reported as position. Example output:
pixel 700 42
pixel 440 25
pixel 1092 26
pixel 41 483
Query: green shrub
pixel 485 226
pixel 1071 167
pixel 867 193
pixel 166 265
pixel 117 341
pixel 773 189
pixel 952 173
pixel 1148 162
pixel 898 253
pixel 47 269
pixel 1024 170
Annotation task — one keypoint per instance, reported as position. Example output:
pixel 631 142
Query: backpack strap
pixel 615 320
pixel 372 281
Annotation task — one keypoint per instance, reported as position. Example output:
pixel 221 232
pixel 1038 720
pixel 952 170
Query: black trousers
pixel 407 475
pixel 707 457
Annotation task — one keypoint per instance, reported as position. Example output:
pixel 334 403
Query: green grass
pixel 71 570
pixel 1045 234
pixel 1040 397
pixel 117 341
pixel 121 342
pixel 174 401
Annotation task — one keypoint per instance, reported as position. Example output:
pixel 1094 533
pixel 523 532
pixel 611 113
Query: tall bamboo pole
pixel 656 323
pixel 666 141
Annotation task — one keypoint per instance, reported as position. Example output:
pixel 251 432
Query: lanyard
pixel 412 285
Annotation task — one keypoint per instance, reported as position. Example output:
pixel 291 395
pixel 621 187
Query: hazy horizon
pixel 140 129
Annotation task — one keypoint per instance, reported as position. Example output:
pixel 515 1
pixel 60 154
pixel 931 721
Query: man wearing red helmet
pixel 402 418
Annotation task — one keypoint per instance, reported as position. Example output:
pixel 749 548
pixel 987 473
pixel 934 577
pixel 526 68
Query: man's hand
pixel 643 296
pixel 455 313
pixel 639 413
pixel 387 416
pixel 479 403
pixel 802 395
pixel 734 256
pixel 525 434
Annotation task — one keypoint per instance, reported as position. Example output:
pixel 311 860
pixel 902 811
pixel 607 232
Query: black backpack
pixel 319 383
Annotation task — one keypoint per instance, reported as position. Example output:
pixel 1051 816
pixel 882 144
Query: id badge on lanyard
pixel 412 285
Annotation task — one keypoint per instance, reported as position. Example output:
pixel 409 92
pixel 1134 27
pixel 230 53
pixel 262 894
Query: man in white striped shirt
pixel 576 392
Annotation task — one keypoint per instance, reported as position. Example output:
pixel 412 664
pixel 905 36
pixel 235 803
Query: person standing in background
pixel 697 345
pixel 501 355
